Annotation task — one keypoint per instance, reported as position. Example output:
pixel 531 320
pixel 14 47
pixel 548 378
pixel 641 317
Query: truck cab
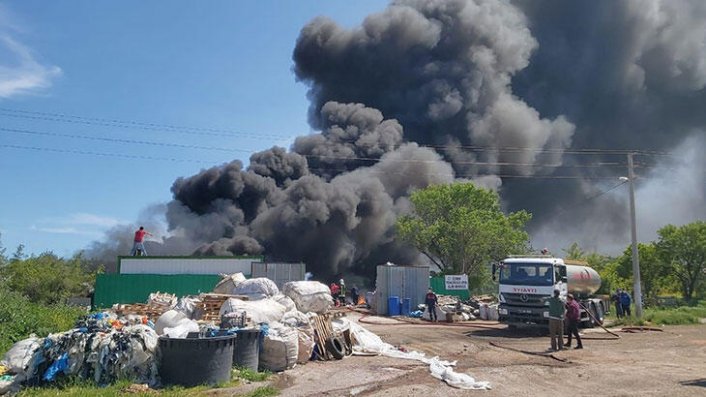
pixel 526 283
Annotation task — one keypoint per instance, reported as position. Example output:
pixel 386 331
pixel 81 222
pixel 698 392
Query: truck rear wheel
pixel 593 315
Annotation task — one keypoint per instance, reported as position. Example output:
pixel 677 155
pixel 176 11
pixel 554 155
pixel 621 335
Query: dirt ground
pixel 672 362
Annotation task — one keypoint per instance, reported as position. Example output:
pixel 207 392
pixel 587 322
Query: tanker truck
pixel 526 283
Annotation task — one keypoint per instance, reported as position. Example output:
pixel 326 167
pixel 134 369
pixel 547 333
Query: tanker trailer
pixel 527 282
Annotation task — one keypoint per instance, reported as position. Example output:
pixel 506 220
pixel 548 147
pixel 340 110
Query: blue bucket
pixel 406 303
pixel 393 306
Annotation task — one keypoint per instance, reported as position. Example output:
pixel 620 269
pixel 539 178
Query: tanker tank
pixel 582 280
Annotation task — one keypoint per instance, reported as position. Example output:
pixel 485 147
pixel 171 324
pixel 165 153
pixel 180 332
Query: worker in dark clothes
pixel 354 295
pixel 615 298
pixel 625 302
pixel 573 316
pixel 431 301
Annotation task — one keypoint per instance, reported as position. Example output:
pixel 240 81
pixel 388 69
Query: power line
pixel 118 140
pixel 511 149
pixel 132 124
pixel 129 156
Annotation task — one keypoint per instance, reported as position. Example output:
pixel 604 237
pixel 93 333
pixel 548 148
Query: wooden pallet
pixel 141 309
pixel 211 305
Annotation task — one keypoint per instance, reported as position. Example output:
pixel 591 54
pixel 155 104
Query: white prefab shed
pixel 185 265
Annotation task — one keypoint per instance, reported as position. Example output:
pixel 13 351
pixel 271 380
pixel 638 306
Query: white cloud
pixel 20 71
pixel 80 224
pixel 93 220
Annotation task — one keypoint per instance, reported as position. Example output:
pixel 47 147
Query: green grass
pixel 250 375
pixel 681 315
pixel 263 391
pixel 73 387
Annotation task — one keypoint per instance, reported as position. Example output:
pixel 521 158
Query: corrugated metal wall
pixel 185 265
pixel 438 285
pixel 280 273
pixel 402 281
pixel 135 288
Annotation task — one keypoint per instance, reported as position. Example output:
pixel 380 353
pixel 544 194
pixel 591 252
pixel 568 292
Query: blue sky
pixel 222 68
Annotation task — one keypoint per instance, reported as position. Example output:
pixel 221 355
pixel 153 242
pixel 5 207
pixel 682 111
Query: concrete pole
pixel 637 285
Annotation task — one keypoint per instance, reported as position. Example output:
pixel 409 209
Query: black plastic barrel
pixel 247 349
pixel 191 362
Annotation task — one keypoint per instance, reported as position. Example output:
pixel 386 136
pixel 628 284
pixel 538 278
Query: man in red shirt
pixel 573 315
pixel 138 242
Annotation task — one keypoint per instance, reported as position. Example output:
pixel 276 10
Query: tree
pixel 654 271
pixel 684 248
pixel 461 229
pixel 46 278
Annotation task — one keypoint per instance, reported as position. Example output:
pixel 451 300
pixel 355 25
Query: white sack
pixel 182 329
pixel 23 356
pixel 440 314
pixel 493 314
pixel 285 301
pixel 259 311
pixel 483 311
pixel 228 283
pixel 169 319
pixel 280 348
pixel 453 378
pixel 309 296
pixel 187 306
pixel 306 347
pixel 296 319
pixel 257 288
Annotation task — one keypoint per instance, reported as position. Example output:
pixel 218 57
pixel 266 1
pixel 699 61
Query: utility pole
pixel 633 230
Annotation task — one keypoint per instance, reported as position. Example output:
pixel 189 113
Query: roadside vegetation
pixel 84 388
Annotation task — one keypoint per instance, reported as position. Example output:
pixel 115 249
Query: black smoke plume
pixel 508 94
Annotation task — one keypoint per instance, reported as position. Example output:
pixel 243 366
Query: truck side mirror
pixel 494 270
pixel 564 279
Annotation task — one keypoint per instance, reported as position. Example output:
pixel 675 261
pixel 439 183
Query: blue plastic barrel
pixel 406 303
pixel 393 306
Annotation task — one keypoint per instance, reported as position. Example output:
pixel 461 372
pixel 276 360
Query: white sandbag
pixel 182 329
pixel 228 283
pixel 260 311
pixel 483 311
pixel 306 347
pixel 23 356
pixel 169 319
pixel 256 288
pixel 280 348
pixel 285 301
pixel 162 299
pixel 440 314
pixel 309 296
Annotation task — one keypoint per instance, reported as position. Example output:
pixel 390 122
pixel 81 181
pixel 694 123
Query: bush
pixel 20 317
pixel 667 316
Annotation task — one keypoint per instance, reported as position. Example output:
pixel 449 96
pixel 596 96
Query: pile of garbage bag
pixel 94 350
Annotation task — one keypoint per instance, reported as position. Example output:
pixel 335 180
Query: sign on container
pixel 456 282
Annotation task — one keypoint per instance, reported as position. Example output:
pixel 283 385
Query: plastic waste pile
pixel 100 348
pixel 459 310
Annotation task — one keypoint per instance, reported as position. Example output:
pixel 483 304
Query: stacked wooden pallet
pixel 211 305
pixel 141 309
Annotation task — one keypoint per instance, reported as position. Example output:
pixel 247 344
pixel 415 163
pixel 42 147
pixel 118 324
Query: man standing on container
pixel 138 242
pixel 556 321
pixel 431 301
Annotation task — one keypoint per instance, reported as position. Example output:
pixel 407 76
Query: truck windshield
pixel 538 274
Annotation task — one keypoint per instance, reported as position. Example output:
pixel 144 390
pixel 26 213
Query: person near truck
pixel 556 321
pixel 573 316
pixel 625 302
pixel 431 301
pixel 138 241
pixel 615 298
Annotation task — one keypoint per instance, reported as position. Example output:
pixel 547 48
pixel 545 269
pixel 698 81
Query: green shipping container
pixel 136 288
pixel 438 285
